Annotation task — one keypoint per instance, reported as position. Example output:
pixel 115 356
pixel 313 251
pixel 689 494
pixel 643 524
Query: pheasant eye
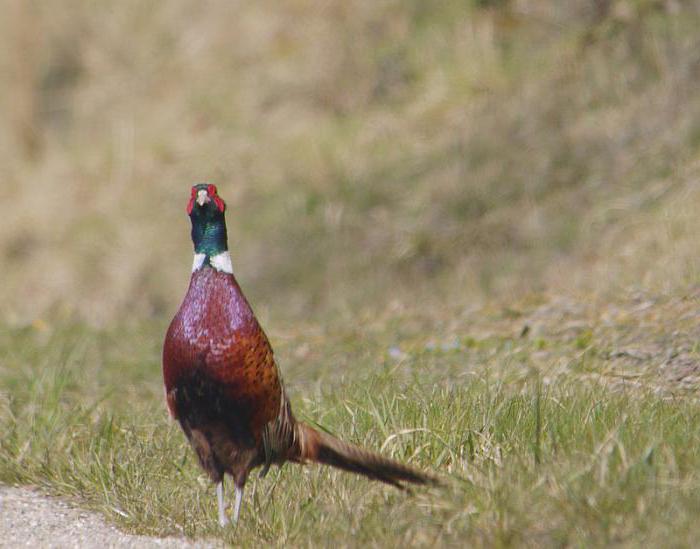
pixel 211 189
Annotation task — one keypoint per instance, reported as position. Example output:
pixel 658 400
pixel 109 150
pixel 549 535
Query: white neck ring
pixel 220 262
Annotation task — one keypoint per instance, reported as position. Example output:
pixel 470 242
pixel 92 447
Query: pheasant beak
pixel 202 197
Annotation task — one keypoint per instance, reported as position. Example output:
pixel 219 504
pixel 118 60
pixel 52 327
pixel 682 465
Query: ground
pixel 31 519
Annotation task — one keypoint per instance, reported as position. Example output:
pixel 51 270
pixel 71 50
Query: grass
pixel 535 447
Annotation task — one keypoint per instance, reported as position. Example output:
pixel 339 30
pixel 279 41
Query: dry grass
pixel 368 150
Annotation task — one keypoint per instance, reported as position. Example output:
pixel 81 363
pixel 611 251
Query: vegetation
pixel 468 227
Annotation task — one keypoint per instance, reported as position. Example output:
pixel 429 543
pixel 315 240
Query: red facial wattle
pixel 190 204
pixel 212 191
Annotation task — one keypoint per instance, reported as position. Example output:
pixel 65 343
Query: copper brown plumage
pixel 222 383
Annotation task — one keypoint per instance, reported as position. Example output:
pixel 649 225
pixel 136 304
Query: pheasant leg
pixel 223 521
pixel 237 508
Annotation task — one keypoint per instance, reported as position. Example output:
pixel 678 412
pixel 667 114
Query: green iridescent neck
pixel 209 231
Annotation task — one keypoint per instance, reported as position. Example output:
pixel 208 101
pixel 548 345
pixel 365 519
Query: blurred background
pixel 374 154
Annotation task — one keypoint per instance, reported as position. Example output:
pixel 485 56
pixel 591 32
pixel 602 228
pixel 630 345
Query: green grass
pixel 532 452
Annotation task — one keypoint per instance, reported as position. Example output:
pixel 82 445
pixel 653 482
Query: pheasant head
pixel 206 210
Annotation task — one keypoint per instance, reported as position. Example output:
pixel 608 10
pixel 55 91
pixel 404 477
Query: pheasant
pixel 223 385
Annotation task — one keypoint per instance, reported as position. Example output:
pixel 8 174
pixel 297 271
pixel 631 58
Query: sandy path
pixel 30 519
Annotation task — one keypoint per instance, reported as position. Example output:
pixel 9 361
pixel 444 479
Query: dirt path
pixel 30 519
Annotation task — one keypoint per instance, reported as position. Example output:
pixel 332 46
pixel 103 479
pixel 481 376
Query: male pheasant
pixel 222 383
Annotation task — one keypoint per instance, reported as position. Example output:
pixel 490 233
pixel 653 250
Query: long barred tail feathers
pixel 319 447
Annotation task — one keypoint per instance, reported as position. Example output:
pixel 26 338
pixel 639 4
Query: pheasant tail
pixel 319 447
